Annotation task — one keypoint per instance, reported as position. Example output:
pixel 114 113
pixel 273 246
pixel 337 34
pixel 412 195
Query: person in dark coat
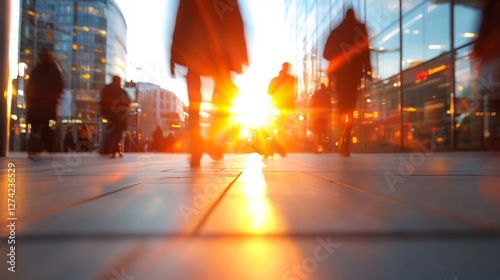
pixel 115 105
pixel 84 142
pixel 209 40
pixel 157 140
pixel 321 108
pixel 348 52
pixel 69 142
pixel 44 89
pixel 282 91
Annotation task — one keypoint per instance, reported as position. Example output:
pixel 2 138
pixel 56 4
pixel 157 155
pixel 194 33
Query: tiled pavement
pixel 305 216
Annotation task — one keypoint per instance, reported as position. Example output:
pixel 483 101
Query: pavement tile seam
pixel 483 225
pixel 203 217
pixel 66 206
pixel 346 235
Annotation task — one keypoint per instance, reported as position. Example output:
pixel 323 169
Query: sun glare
pixel 252 107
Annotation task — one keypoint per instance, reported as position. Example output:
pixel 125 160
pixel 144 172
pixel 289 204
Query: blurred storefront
pixel 424 85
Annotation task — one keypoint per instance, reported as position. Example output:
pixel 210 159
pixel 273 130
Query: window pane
pixel 468 106
pixel 466 24
pixel 426 104
pixel 426 33
pixel 385 52
pixel 410 4
pixel 380 15
pixel 380 117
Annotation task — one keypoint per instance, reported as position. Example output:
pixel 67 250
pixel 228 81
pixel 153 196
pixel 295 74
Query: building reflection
pixel 424 83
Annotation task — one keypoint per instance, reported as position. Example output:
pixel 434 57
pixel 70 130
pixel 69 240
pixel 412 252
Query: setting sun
pixel 252 106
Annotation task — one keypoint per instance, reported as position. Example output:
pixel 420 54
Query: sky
pixel 149 29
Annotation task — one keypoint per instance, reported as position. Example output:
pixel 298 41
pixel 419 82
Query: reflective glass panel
pixel 385 53
pixel 466 24
pixel 426 33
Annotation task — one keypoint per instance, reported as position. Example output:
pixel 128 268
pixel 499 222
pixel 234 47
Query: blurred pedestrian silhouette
pixel 157 140
pixel 44 89
pixel 348 52
pixel 69 141
pixel 127 144
pixel 486 54
pixel 115 105
pixel 282 91
pixel 170 143
pixel 209 40
pixel 321 106
pixel 84 142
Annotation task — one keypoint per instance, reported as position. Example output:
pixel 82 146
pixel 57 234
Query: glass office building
pixel 88 40
pixel 424 82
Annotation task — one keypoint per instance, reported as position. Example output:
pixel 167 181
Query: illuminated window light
pixel 436 47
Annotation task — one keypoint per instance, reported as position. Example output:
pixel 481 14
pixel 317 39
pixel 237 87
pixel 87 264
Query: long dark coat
pixel 348 51
pixel 209 37
pixel 44 90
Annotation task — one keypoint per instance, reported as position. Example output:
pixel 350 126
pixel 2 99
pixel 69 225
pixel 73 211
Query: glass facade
pixel 423 78
pixel 88 40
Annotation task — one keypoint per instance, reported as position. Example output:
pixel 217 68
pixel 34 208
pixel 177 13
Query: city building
pixel 424 86
pixel 154 106
pixel 88 40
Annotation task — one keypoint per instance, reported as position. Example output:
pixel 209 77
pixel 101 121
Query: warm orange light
pixel 255 214
pixel 252 108
pixel 346 118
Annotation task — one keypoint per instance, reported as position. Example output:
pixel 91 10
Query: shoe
pixel 197 149
pixel 215 153
pixel 194 161
pixel 344 153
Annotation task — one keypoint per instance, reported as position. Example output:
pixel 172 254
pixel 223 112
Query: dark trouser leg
pixel 344 147
pixel 35 136
pixel 193 81
pixel 222 99
pixel 347 103
pixel 48 137
pixel 107 137
pixel 281 137
pixel 116 139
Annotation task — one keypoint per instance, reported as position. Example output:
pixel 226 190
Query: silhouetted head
pixel 117 80
pixel 323 86
pixel 45 55
pixel 349 15
pixel 285 67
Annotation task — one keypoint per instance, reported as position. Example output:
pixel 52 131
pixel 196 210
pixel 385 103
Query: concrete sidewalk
pixel 306 216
